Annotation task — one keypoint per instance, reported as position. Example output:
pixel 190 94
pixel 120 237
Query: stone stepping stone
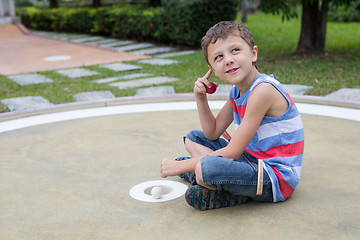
pixel 143 82
pixel 29 79
pixel 174 54
pixel 135 46
pixel 352 94
pixel 154 50
pixel 71 36
pixel 129 76
pixel 77 72
pixel 155 91
pixel 295 89
pixel 87 39
pixel 117 43
pixel 91 96
pixel 26 103
pixel 68 36
pixel 120 67
pixel 103 41
pixel 160 62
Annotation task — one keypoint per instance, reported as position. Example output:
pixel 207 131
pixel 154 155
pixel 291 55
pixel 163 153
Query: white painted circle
pixel 10 125
pixel 57 58
pixel 175 189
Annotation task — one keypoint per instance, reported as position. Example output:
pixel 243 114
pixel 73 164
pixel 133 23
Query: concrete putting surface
pixel 71 180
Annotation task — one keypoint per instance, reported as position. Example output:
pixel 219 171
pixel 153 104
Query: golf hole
pixel 165 190
pixel 170 190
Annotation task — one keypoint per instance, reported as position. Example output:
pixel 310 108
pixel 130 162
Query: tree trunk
pixel 313 27
pixel 54 4
pixel 96 3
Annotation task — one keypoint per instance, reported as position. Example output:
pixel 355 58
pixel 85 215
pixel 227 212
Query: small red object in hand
pixel 212 89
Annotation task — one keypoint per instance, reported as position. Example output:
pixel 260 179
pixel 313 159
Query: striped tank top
pixel 279 141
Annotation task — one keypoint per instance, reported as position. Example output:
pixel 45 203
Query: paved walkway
pixel 27 53
pixel 67 53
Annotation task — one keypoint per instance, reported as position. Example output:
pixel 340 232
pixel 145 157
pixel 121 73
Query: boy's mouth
pixel 232 70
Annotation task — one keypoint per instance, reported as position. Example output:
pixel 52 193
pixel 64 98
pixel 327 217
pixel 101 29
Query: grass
pixel 276 41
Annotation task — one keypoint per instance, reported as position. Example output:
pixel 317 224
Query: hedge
pixel 181 22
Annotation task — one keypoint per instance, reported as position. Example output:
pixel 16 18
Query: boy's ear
pixel 254 53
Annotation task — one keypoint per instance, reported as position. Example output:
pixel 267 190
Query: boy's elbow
pixel 232 153
pixel 211 136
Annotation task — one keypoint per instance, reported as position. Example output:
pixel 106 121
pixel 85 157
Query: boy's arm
pixel 212 126
pixel 260 102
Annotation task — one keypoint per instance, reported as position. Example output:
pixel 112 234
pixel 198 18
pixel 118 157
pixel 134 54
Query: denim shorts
pixel 239 177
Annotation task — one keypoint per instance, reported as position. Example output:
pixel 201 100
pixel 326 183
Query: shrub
pixel 23 3
pixel 178 21
pixel 188 20
pixel 137 23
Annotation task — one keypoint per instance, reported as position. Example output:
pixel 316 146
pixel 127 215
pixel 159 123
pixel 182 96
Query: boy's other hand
pixel 199 88
pixel 169 167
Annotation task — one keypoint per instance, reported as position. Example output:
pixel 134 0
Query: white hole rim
pixel 177 189
pixel 57 58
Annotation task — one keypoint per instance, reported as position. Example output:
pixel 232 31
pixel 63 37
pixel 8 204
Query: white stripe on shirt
pixel 276 128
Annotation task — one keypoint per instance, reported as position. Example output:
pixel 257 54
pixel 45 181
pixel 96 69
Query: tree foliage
pixel 313 20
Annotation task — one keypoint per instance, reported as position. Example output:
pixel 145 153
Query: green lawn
pixel 276 41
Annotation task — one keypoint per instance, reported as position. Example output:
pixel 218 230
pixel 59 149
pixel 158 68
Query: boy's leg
pixel 199 179
pixel 196 149
pixel 234 182
pixel 198 145
pixel 237 177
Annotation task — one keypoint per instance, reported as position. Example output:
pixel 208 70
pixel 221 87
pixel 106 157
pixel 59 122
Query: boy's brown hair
pixel 222 30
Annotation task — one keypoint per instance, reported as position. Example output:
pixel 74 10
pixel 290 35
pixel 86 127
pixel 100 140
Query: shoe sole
pixel 204 199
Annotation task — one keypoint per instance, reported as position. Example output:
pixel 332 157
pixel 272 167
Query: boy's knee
pixel 198 174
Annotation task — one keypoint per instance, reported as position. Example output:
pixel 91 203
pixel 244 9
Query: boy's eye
pixel 218 57
pixel 235 50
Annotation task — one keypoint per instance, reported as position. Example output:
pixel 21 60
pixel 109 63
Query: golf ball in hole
pixel 156 192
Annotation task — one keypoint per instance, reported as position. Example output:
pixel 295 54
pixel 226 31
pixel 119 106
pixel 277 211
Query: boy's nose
pixel 229 60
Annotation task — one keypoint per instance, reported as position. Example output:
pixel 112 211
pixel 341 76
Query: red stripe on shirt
pixel 288 150
pixel 240 110
pixel 292 102
pixel 285 189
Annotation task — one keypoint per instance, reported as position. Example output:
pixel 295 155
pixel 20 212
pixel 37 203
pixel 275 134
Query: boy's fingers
pixel 208 74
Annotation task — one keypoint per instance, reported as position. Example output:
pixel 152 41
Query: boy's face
pixel 232 59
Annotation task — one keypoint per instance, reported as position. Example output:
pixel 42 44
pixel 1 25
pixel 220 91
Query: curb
pixel 164 98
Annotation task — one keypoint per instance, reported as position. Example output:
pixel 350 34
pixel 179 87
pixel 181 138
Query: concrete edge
pixel 164 98
pixel 22 28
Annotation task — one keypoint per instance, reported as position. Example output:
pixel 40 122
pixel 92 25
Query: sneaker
pixel 202 198
pixel 189 176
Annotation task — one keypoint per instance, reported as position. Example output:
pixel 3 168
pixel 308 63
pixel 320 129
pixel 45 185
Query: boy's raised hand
pixel 199 88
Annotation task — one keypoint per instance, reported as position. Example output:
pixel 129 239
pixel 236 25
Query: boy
pixel 263 159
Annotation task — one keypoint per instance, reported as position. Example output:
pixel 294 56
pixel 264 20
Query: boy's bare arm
pixel 212 126
pixel 260 102
pixel 206 117
pixel 170 167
